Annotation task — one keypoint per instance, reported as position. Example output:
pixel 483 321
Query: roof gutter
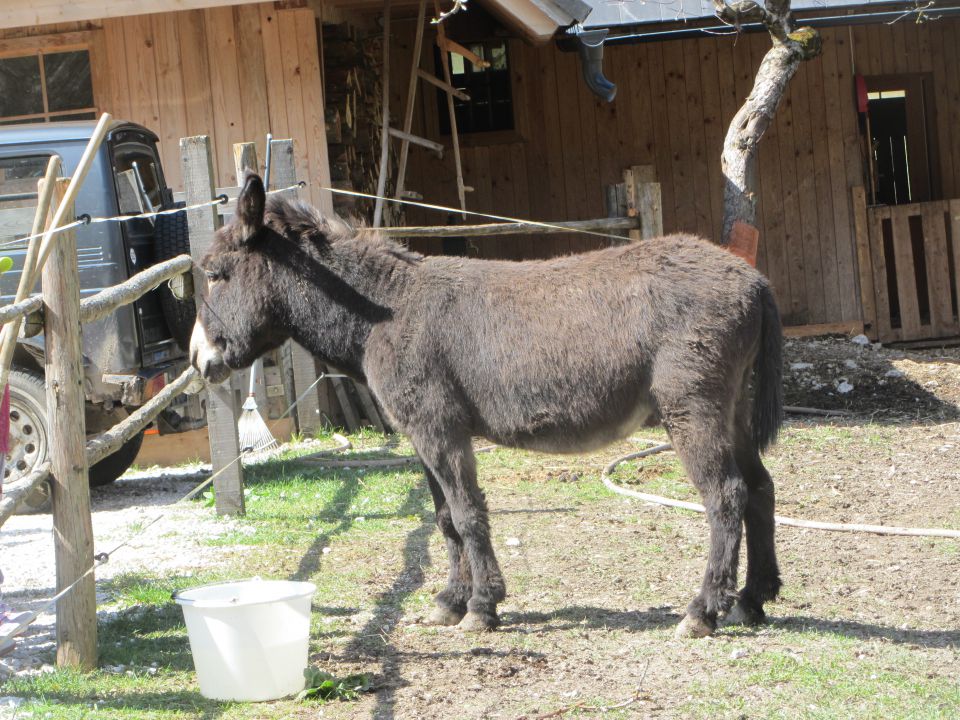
pixel 724 29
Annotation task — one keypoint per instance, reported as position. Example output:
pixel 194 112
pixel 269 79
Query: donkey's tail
pixel 768 375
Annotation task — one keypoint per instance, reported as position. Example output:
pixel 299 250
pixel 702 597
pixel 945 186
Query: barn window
pixel 46 86
pixel 490 107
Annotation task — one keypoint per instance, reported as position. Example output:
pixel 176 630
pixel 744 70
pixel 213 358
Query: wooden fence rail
pixel 16 492
pixel 109 441
pixel 9 313
pixel 510 228
pixel 107 301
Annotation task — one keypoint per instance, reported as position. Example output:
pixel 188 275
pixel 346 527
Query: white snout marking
pixel 205 356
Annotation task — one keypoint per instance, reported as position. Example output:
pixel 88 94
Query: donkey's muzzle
pixel 206 357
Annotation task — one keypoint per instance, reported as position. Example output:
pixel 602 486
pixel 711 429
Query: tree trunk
pixel 739 159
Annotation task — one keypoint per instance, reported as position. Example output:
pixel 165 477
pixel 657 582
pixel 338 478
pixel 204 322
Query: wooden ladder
pixel 405 136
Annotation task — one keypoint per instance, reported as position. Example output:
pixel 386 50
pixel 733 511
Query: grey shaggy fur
pixel 563 355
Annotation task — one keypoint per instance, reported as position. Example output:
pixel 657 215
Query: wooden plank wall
pixel 234 73
pixel 675 100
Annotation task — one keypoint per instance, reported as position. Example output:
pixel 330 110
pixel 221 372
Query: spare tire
pixel 172 238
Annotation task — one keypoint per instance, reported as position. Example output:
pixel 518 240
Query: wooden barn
pixel 855 215
pixel 858 174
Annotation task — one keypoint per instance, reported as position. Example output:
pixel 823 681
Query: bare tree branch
pixel 791 46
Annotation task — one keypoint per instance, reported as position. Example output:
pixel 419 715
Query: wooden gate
pixel 913 252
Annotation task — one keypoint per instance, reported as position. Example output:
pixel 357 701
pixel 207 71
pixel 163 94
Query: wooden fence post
pixel 222 406
pixel 283 174
pixel 643 201
pixel 72 526
pixel 868 300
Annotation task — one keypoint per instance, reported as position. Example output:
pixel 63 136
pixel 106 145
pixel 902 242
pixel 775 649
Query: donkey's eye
pixel 213 275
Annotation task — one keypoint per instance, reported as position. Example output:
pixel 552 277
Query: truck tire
pixel 113 466
pixel 30 438
pixel 172 238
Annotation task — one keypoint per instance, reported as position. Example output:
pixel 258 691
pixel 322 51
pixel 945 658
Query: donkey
pixel 564 356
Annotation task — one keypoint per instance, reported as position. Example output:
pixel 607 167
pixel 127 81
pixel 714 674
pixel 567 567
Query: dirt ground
pixel 867 626
pixel 596 588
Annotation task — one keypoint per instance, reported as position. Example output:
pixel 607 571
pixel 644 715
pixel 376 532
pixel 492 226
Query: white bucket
pixel 249 639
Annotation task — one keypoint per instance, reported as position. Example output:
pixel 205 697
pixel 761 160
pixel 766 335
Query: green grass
pixel 293 512
pixel 843 677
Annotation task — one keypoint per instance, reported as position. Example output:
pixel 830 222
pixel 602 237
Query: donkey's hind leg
pixel 763 574
pixel 701 440
pixel 451 602
pixel 453 466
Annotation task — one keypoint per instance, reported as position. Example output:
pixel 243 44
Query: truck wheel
pixel 171 238
pixel 113 466
pixel 30 439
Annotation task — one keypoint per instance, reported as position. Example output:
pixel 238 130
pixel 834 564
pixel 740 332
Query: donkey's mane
pixel 296 219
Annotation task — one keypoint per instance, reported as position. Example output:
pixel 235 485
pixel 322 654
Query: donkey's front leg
pixel 452 600
pixel 708 459
pixel 454 468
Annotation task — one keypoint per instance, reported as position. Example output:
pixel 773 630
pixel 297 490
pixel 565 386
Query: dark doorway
pixel 899 113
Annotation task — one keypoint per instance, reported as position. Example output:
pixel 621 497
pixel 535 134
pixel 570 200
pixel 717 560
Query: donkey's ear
pixel 250 205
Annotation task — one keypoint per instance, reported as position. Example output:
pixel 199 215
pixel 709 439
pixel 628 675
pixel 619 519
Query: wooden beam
pixel 28 13
pixel 507 228
pixel 59 42
pixel 437 82
pixel 16 492
pixel 449 45
pixel 410 105
pixel 651 210
pixel 451 113
pixel 70 194
pixel 384 120
pixel 109 441
pixel 283 174
pixel 853 327
pixel 70 487
pixel 868 302
pixel 222 410
pixel 97 307
pixel 643 201
pixel 417 140
pixel 20 309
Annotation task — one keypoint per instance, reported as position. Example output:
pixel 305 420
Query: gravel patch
pixel 174 544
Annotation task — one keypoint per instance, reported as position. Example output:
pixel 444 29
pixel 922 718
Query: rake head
pixel 254 434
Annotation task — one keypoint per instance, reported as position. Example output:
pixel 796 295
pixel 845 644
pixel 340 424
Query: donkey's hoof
pixel 692 627
pixel 475 622
pixel 743 615
pixel 443 616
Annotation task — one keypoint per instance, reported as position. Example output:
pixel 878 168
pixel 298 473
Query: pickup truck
pixel 128 356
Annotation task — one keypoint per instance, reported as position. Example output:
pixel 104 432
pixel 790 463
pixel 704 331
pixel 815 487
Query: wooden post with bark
pixel 791 45
pixel 283 174
pixel 222 406
pixel 70 488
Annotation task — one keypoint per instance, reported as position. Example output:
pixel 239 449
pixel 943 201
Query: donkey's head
pixel 240 315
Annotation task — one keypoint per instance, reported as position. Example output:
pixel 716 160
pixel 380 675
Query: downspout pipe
pixel 590 49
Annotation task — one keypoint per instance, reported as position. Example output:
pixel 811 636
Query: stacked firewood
pixel 353 91
pixel 353 61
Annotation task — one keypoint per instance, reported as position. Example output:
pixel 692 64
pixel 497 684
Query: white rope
pixel 444 208
pixel 86 220
pixel 780 520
